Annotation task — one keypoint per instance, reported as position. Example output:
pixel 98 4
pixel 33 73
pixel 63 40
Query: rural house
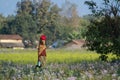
pixel 75 44
pixel 11 41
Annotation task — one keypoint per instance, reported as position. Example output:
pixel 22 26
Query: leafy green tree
pixel 103 33
pixel 47 18
pixel 42 14
pixel 7 25
pixel 52 28
pixel 25 7
pixel 24 22
pixel 2 22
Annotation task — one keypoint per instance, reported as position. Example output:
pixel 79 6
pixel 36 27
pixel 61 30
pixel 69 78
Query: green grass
pixel 53 56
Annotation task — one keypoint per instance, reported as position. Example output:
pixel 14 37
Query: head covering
pixel 43 37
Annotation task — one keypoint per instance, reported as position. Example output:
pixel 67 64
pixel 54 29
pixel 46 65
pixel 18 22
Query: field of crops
pixel 61 65
pixel 53 56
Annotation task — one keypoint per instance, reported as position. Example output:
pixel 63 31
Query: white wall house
pixel 11 41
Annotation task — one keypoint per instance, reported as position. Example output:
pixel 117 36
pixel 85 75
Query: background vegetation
pixel 100 29
pixel 34 17
pixel 103 32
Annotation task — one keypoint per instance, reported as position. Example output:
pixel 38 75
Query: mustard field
pixel 53 56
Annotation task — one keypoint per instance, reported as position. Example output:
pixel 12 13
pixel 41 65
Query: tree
pixel 42 8
pixel 7 25
pixel 103 33
pixel 69 14
pixel 24 7
pixel 36 17
pixel 24 22
pixel 52 28
pixel 47 18
pixel 70 21
pixel 2 22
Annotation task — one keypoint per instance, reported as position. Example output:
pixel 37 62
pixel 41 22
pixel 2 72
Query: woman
pixel 41 51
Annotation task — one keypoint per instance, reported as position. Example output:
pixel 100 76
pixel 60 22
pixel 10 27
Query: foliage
pixel 70 14
pixel 103 33
pixel 2 21
pixel 26 27
pixel 34 17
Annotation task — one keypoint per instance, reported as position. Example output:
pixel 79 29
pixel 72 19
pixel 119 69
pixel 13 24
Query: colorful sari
pixel 42 52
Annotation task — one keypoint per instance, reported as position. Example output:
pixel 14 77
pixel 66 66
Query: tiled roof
pixel 13 37
pixel 76 42
pixel 79 41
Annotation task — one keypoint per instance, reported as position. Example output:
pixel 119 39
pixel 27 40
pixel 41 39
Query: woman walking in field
pixel 41 51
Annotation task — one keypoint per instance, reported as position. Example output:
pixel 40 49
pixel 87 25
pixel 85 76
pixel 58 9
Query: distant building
pixel 11 41
pixel 75 44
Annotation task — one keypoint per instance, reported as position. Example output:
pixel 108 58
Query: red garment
pixel 43 53
pixel 43 37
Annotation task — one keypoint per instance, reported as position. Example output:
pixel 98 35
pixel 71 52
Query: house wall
pixel 10 41
pixel 18 48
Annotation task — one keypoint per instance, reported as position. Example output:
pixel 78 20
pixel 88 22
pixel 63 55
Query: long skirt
pixel 42 57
